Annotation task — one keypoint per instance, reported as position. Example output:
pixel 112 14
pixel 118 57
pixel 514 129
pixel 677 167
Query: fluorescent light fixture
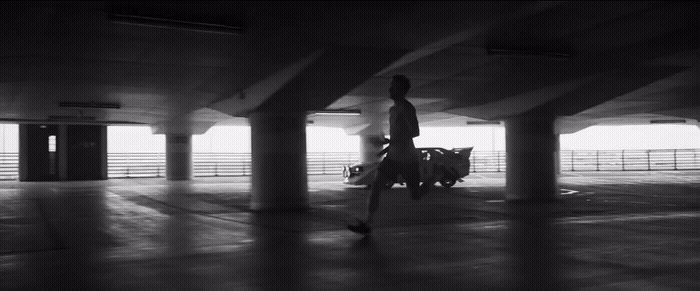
pixel 90 105
pixel 175 24
pixel 666 121
pixel 337 112
pixel 71 118
pixel 483 122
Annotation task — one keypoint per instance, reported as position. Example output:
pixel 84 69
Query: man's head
pixel 399 87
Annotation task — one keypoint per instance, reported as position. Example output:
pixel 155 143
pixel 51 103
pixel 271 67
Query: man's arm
pixel 413 120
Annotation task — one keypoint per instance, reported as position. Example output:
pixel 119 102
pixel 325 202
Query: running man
pixel 401 154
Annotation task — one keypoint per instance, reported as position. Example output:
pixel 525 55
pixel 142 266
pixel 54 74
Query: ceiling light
pixel 483 123
pixel 71 118
pixel 337 112
pixel 175 24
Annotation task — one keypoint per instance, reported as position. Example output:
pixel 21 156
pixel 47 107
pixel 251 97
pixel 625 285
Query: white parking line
pixel 567 192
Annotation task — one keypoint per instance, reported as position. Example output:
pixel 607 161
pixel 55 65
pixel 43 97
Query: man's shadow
pixel 364 245
pixel 366 259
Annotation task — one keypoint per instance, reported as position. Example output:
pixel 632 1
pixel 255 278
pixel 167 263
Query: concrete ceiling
pixel 586 62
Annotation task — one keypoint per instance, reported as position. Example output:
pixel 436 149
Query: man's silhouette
pixel 401 154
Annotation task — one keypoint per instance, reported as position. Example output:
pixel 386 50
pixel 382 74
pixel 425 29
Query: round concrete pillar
pixel 278 148
pixel 178 157
pixel 531 158
pixel 370 146
pixel 557 154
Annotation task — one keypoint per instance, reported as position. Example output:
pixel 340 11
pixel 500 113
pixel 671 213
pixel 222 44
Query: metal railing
pixel 602 160
pixel 9 166
pixel 631 160
pixel 329 163
pixel 127 165
pixel 221 164
pixel 491 161
pixel 133 165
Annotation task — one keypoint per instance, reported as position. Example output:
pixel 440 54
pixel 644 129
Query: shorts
pixel 410 172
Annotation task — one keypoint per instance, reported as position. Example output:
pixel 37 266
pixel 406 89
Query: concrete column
pixel 104 170
pixel 62 152
pixel 278 145
pixel 557 154
pixel 36 162
pixel 83 148
pixel 178 157
pixel 531 150
pixel 23 163
pixel 370 145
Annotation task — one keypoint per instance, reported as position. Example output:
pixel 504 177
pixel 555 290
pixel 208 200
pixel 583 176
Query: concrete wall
pixel 80 152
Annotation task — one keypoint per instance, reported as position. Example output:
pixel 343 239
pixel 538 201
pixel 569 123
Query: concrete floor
pixel 612 231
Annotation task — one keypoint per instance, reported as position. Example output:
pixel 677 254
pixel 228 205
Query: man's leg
pixel 373 200
pixel 411 174
pixel 380 179
pixel 436 172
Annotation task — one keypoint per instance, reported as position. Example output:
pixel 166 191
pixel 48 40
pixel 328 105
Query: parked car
pixel 454 163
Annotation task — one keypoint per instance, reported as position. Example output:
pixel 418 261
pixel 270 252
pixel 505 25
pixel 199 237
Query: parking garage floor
pixel 612 231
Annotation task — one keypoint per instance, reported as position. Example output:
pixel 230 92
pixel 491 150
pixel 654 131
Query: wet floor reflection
pixel 281 255
pixel 534 247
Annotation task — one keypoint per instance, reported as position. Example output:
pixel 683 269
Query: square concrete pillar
pixel 278 147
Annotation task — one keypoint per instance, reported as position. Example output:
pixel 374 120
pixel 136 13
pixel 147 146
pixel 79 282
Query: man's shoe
pixel 360 227
pixel 423 190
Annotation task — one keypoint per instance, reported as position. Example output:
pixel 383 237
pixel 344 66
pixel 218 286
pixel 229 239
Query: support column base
pixel 274 207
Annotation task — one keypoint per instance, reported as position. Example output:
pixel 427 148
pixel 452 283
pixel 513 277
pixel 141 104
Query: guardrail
pixel 133 165
pixel 128 165
pixel 631 160
pixel 9 166
pixel 602 160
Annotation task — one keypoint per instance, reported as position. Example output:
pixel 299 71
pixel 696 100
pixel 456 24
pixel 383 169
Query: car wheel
pixel 447 182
